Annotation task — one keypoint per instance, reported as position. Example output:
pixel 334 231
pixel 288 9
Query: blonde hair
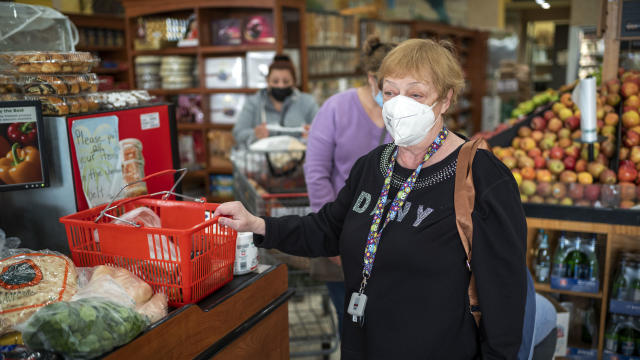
pixel 426 60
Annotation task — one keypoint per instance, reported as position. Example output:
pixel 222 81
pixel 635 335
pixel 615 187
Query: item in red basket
pixel 258 29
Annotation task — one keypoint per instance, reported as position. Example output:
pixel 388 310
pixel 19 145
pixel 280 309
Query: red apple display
pixel 576 191
pixel 538 123
pixel 569 163
pixel 556 153
pixel 631 138
pixel 548 115
pixel 629 88
pixel 608 176
pixel 627 174
pixel 592 192
pixel 555 166
pixel 630 119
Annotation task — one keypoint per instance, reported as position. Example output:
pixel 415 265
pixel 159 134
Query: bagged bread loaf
pixel 154 309
pixel 31 280
pixel 139 290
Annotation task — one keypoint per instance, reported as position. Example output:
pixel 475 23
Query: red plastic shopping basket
pixel 188 258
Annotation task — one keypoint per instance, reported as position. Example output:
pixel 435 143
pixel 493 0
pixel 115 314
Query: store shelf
pixel 99 48
pixel 546 63
pixel 107 71
pixel 461 110
pixel 191 174
pixel 103 21
pixel 220 126
pixel 547 288
pixel 221 168
pixel 163 92
pixel 192 126
pixel 322 47
pixel 169 51
pixel 204 126
pixel 219 199
pixel 230 91
pixel 334 75
pixel 231 49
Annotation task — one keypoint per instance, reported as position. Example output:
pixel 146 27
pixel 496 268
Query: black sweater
pixel 417 295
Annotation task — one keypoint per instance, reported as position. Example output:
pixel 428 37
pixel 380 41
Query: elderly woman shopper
pixel 394 226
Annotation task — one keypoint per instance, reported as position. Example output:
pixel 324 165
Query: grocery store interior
pixel 123 122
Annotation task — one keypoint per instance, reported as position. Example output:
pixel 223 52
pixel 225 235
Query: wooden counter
pixel 245 319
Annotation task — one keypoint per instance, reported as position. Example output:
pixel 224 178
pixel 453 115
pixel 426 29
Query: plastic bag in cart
pixel 26 27
pixel 82 329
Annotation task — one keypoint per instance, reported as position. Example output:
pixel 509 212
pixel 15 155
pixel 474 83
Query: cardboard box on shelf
pixel 562 326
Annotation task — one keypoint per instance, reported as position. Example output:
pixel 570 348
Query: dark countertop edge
pixel 583 214
pixel 245 326
pixel 237 284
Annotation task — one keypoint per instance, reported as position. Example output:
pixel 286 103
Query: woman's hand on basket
pixel 234 215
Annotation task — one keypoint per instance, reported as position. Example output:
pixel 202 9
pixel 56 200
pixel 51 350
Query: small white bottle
pixel 246 254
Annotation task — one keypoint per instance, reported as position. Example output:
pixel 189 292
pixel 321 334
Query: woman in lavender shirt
pixel 347 126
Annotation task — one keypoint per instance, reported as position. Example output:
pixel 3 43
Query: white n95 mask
pixel 406 120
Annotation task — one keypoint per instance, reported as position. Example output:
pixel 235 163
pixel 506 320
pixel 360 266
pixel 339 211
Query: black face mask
pixel 280 94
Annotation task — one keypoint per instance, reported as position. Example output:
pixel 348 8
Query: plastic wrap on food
pixel 21 352
pixel 120 99
pixel 86 328
pixel 58 105
pixel 8 84
pixel 31 280
pixel 44 84
pixel 11 97
pixel 139 291
pixel 142 215
pixel 105 287
pixel 36 62
pixel 52 105
pixel 156 308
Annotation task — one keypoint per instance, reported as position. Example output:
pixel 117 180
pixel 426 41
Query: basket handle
pixel 165 194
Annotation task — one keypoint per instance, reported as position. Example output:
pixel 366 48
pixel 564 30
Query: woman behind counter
pixel 280 104
pixel 394 226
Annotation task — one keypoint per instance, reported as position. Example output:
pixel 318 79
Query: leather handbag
pixel 463 201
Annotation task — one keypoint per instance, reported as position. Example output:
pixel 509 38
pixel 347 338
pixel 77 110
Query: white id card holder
pixel 356 306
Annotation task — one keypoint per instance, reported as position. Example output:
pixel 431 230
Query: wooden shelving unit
pixel 105 22
pixel 289 31
pixel 617 238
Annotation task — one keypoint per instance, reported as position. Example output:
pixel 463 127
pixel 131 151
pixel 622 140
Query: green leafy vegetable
pixel 82 329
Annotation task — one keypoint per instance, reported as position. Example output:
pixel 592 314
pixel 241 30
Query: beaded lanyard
pixel 374 235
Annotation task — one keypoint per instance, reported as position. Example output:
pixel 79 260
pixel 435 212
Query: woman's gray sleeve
pixel 248 119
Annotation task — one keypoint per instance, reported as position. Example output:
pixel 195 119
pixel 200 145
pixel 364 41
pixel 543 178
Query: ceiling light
pixel 540 2
pixel 545 5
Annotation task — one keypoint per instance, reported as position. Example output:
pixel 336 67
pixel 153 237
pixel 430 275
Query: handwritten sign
pixel 97 150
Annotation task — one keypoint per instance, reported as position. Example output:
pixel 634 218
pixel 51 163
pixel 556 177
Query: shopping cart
pixel 312 325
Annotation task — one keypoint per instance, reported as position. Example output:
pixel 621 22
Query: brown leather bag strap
pixel 464 199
